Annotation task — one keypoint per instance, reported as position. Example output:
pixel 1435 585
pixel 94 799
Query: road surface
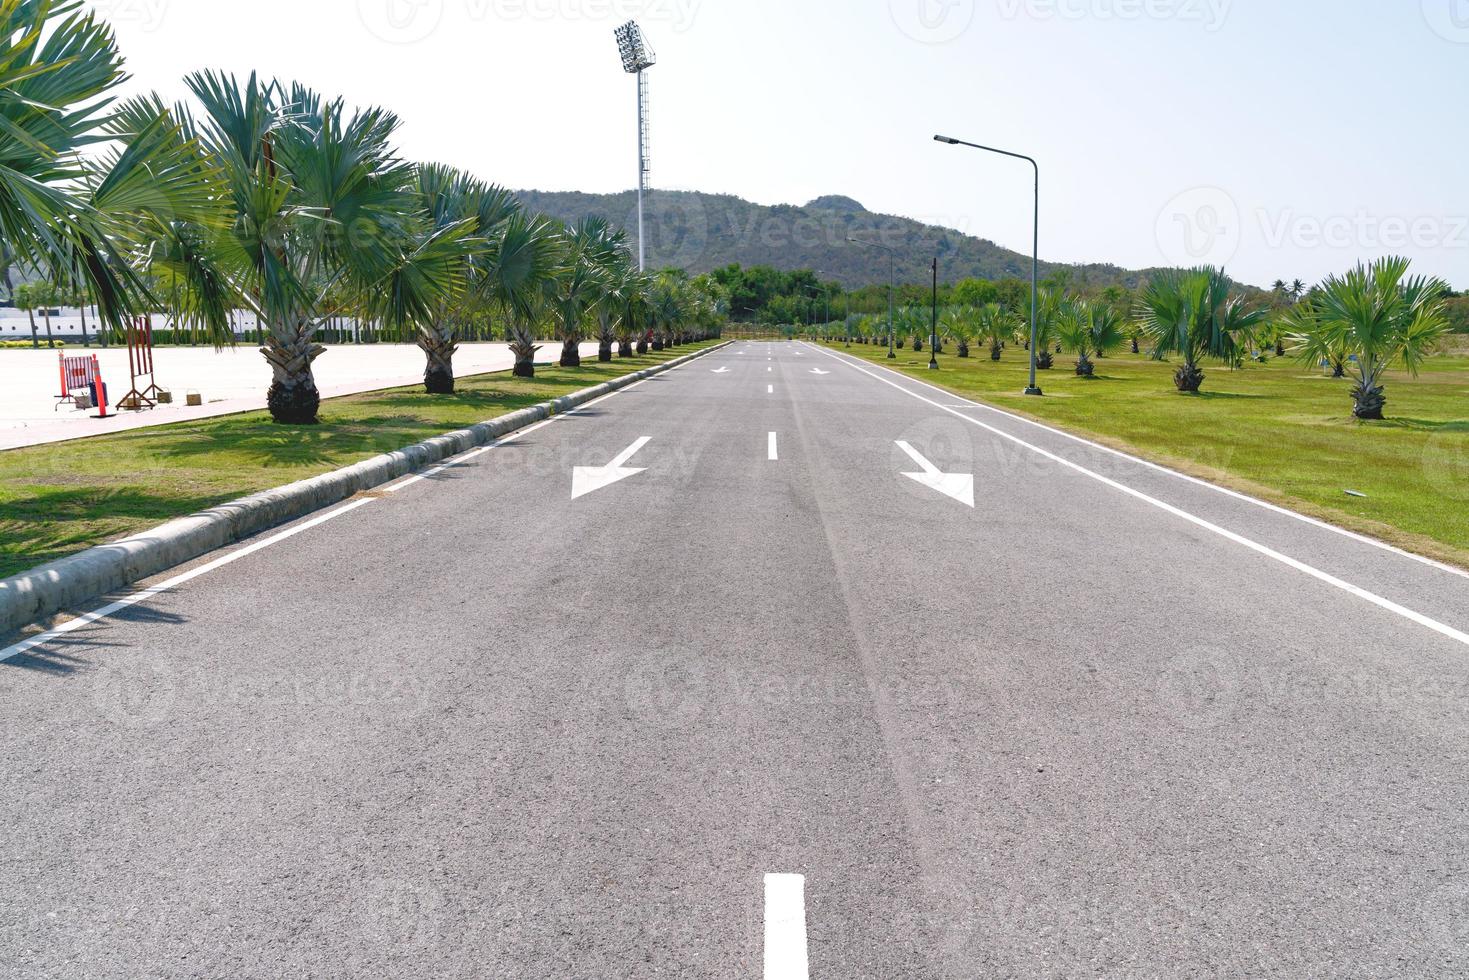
pixel 724 676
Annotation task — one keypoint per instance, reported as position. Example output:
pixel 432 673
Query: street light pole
pixel 933 332
pixel 1034 388
pixel 892 278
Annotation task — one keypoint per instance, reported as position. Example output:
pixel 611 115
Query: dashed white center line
pixel 785 928
pixel 770 389
pixel 770 369
pixel 773 453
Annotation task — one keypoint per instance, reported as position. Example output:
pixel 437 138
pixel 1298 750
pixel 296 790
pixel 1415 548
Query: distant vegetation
pixel 703 232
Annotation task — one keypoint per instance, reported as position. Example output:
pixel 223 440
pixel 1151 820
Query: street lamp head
pixel 636 54
pixel 947 139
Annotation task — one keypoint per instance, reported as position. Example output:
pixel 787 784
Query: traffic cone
pixel 99 392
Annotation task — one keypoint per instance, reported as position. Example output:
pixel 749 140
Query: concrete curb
pixel 76 579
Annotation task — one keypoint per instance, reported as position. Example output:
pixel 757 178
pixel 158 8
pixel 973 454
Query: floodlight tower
pixel 637 58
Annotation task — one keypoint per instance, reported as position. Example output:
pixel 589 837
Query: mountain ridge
pixel 700 232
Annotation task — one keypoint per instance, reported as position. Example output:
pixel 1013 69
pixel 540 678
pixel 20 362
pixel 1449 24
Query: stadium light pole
pixel 892 278
pixel 1034 388
pixel 637 58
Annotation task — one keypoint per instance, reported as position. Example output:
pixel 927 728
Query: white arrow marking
pixel 960 486
pixel 585 479
pixel 819 371
pixel 785 928
pixel 723 370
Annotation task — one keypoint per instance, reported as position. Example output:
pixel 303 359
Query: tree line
pixel 269 196
pixel 1358 324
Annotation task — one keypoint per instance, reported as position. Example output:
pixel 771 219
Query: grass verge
pixel 1276 431
pixel 62 498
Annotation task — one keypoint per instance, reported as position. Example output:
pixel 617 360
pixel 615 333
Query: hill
pixel 701 232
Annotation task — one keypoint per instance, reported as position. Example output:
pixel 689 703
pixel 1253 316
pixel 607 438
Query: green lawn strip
pixel 65 497
pixel 1276 430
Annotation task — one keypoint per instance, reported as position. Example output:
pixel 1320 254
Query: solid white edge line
pixel 103 612
pixel 1300 566
pixel 774 454
pixel 1197 481
pixel 785 928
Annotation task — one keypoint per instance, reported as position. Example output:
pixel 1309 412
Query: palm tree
pixel 607 308
pixel 590 247
pixel 668 310
pixel 1051 303
pixel 1074 328
pixel 1109 330
pixel 1089 328
pixel 1192 314
pixel 632 314
pixel 24 298
pixel 46 294
pixel 997 326
pixel 959 323
pixel 318 199
pixel 58 67
pixel 432 293
pixel 524 258
pixel 1373 317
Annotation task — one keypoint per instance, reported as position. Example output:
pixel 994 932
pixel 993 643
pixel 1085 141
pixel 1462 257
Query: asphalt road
pixel 1107 721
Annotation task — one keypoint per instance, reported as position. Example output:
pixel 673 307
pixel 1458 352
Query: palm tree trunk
pixel 1084 366
pixel 523 346
pixel 86 339
pixel 1188 378
pixel 46 312
pixel 35 341
pixel 1368 401
pixel 995 349
pixel 571 353
pixel 292 398
pixel 963 349
pixel 604 350
pixel 438 371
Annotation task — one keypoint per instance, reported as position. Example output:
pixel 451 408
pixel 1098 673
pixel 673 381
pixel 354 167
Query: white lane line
pixel 102 612
pixel 1235 494
pixel 770 369
pixel 773 454
pixel 770 389
pixel 23 646
pixel 1300 566
pixel 785 928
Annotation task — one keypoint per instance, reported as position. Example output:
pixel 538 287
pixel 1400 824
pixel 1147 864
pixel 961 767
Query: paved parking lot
pixel 232 380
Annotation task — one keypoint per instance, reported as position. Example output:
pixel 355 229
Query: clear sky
pixel 1282 138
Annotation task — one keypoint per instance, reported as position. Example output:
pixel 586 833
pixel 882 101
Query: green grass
pixel 1275 430
pixel 62 498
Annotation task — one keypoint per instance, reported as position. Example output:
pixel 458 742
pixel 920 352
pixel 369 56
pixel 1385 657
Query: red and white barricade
pixel 82 376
